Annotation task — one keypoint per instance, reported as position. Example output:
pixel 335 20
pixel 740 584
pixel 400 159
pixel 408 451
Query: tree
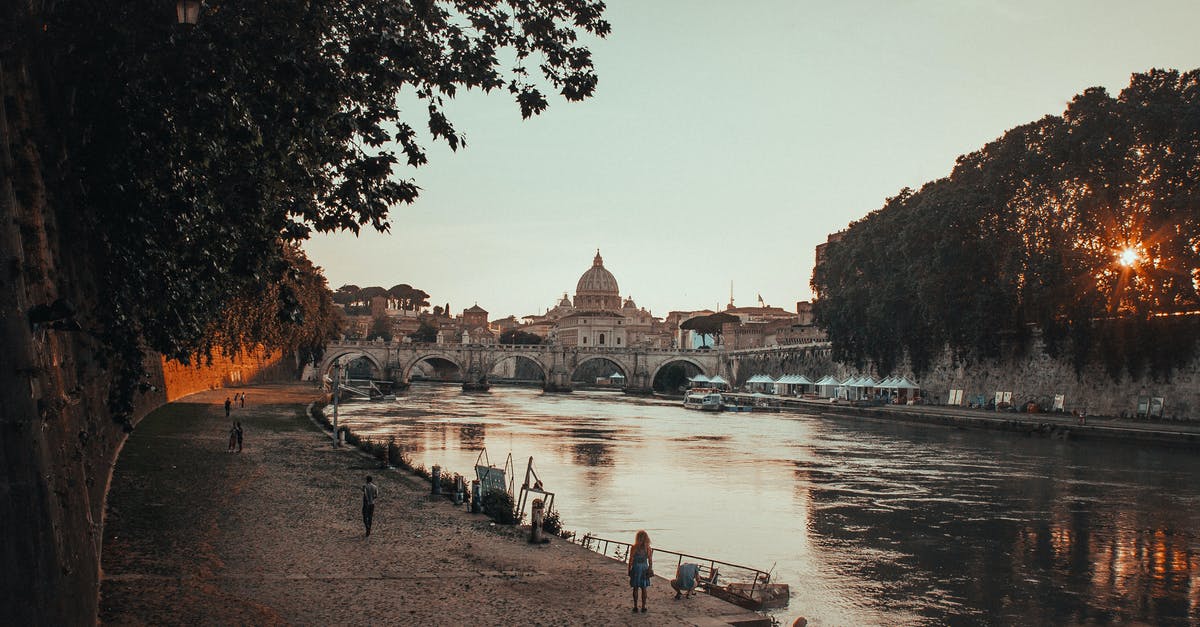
pixel 381 327
pixel 347 295
pixel 709 325
pixel 1081 227
pixel 517 336
pixel 154 173
pixel 424 333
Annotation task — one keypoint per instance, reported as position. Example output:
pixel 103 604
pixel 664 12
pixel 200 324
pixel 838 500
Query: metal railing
pixel 710 568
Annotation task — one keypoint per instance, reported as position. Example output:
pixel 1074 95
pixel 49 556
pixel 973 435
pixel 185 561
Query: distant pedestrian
pixel 233 438
pixel 243 400
pixel 641 567
pixel 237 427
pixel 228 404
pixel 369 493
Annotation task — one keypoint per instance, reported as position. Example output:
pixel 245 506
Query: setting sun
pixel 1128 257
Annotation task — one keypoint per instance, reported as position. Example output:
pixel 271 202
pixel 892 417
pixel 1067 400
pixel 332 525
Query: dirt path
pixel 273 535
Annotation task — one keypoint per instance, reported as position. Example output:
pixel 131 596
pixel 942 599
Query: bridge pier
pixel 558 380
pixel 640 384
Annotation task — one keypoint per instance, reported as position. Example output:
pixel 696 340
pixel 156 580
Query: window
pixel 602 339
pixel 618 341
pixel 585 339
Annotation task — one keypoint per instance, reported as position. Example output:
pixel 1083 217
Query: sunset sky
pixel 726 140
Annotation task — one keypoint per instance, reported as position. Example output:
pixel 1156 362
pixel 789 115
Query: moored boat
pixel 753 596
pixel 704 399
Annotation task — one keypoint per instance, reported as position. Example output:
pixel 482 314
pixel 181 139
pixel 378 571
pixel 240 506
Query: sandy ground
pixel 274 535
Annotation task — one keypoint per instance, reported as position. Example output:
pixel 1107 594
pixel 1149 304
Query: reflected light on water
pixel 869 522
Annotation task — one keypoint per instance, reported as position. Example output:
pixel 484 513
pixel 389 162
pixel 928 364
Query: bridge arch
pixel 340 356
pixel 517 356
pixel 623 367
pixel 408 366
pixel 672 379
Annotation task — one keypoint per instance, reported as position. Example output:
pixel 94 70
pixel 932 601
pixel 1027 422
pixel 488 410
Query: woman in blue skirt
pixel 641 567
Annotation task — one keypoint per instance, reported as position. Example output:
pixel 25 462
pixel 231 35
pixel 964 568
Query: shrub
pixel 499 506
pixel 551 523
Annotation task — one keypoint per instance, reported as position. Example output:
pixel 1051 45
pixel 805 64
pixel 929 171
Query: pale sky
pixel 727 139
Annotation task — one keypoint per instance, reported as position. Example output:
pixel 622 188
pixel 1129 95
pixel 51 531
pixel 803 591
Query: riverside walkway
pixel 1177 433
pixel 273 535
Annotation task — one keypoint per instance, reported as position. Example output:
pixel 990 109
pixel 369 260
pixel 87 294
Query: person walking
pixel 233 438
pixel 369 493
pixel 228 404
pixel 641 567
pixel 243 400
pixel 237 427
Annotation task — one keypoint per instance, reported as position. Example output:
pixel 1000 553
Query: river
pixel 870 522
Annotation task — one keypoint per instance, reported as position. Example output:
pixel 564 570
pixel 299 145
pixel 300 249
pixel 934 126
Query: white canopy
pixel 868 382
pixel 616 375
pixel 828 380
pixel 903 382
pixel 718 380
pixel 887 383
pixel 760 378
pixel 794 379
pixel 700 378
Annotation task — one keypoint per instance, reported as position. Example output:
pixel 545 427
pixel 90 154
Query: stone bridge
pixel 395 360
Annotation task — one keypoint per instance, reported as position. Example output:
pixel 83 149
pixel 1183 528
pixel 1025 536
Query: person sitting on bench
pixel 686 576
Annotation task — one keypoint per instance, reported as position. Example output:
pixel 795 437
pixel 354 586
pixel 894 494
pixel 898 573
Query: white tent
pixel 718 381
pixel 700 378
pixel 789 384
pixel 616 375
pixel 904 383
pixel 828 385
pixel 760 383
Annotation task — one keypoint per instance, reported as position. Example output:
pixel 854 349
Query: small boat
pixel 482 386
pixel 753 596
pixel 704 399
pixel 735 405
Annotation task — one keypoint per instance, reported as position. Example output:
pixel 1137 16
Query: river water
pixel 869 522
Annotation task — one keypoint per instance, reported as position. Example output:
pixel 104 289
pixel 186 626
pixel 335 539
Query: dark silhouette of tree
pixel 154 173
pixel 516 336
pixel 1082 227
pixel 381 327
pixel 424 333
pixel 709 325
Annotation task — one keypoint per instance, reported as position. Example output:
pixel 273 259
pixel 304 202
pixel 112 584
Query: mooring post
pixel 435 474
pixel 459 489
pixel 535 522
pixel 476 497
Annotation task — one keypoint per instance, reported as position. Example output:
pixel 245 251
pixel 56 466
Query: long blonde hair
pixel 641 542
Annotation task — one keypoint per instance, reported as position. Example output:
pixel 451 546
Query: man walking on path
pixel 243 399
pixel 369 493
pixel 237 427
pixel 228 404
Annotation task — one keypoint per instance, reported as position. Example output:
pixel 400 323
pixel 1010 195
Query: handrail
pixel 621 550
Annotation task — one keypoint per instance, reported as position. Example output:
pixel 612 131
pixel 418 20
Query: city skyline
pixel 727 146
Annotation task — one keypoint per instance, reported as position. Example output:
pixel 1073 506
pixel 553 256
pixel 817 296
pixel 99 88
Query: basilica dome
pixel 597 288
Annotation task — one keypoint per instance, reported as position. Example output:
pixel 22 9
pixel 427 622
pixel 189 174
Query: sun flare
pixel 1128 256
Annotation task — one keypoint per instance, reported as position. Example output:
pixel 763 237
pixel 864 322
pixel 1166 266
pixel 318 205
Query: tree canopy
pixel 1082 226
pixel 194 153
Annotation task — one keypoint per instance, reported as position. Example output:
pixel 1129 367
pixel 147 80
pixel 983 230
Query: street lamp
pixel 187 11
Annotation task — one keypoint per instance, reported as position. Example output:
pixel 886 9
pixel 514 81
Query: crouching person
pixel 687 575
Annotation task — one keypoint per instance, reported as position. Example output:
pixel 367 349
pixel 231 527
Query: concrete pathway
pixel 273 535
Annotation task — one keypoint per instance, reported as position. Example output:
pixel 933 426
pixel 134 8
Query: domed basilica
pixel 598 317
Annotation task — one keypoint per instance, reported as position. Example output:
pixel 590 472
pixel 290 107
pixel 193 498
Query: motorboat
pixel 704 399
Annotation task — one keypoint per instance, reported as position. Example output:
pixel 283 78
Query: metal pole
pixel 337 380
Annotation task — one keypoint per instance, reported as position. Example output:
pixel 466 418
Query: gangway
pixel 749 587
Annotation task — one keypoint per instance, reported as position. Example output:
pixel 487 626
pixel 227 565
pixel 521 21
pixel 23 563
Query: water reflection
pixel 870 522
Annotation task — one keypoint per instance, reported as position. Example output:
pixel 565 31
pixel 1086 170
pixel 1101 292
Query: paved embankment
pixel 1065 426
pixel 273 535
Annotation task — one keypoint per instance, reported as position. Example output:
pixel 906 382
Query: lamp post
pixel 187 11
pixel 337 381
